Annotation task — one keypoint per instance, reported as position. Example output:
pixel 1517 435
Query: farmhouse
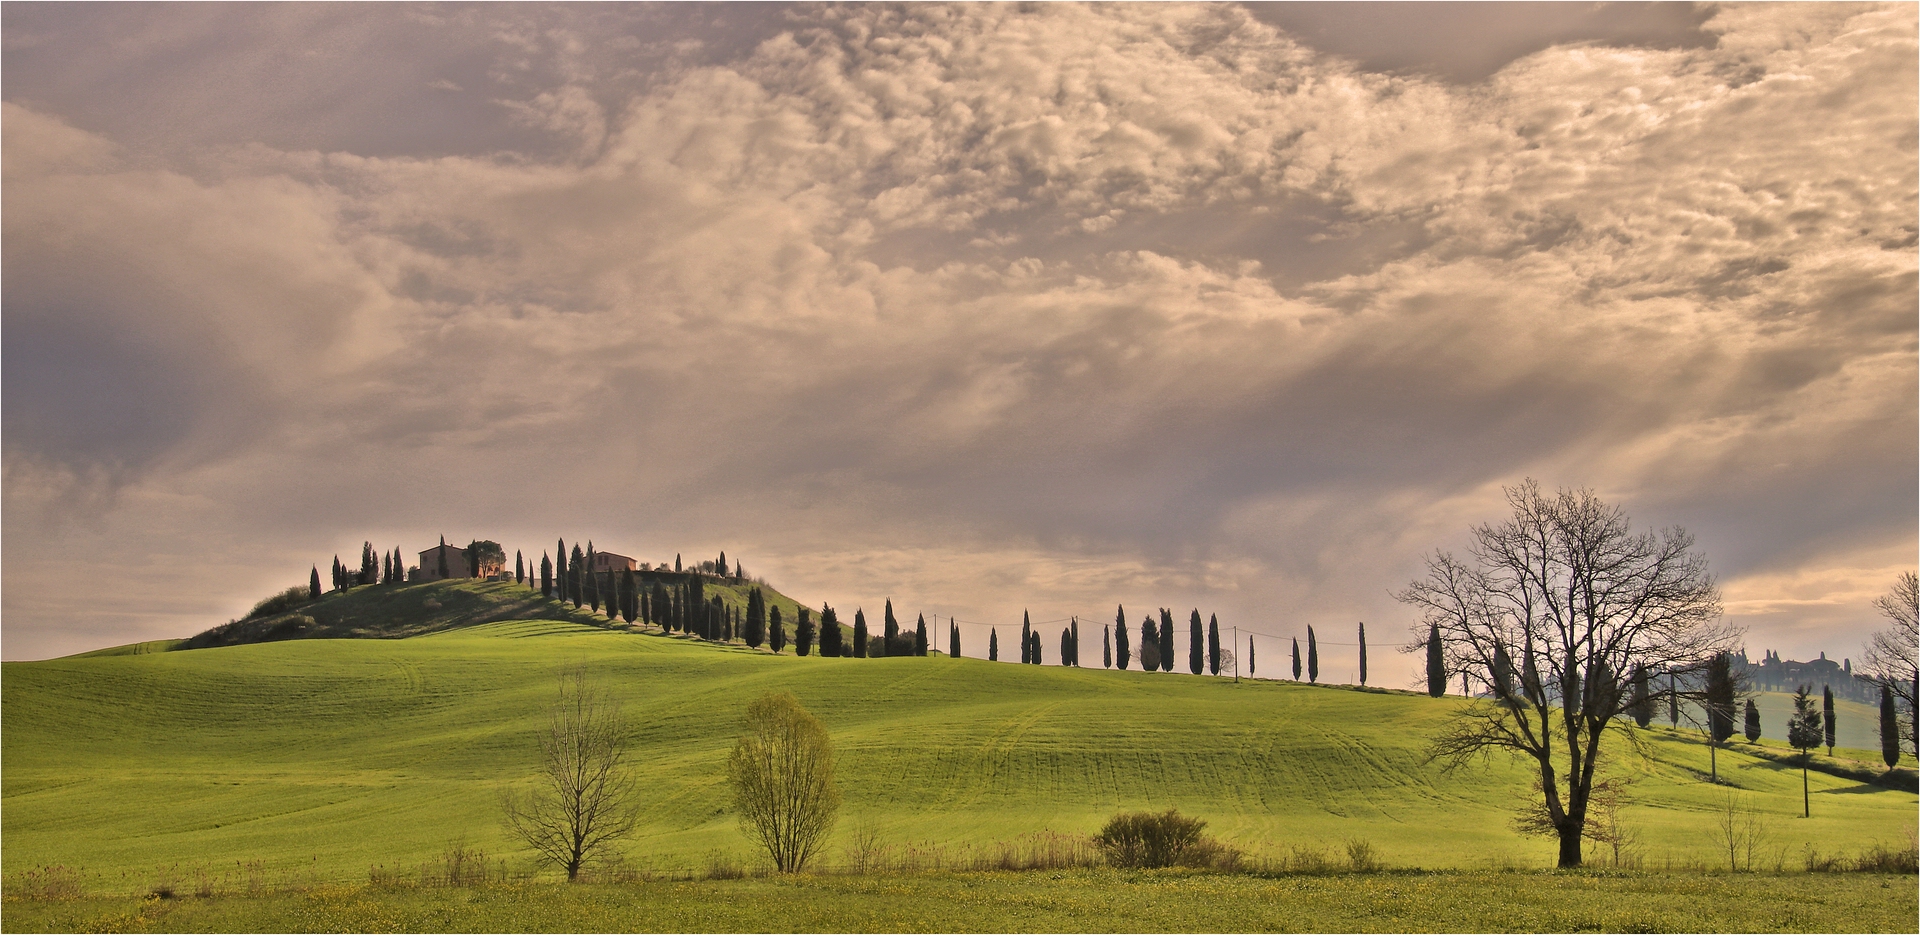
pixel 456 559
pixel 613 561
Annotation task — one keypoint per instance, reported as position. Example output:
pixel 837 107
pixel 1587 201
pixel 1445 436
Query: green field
pixel 325 758
pixel 1065 901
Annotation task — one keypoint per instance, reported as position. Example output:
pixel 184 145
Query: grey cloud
pixel 1143 303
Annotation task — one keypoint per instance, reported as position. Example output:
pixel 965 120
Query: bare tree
pixel 586 798
pixel 782 774
pixel 1566 588
pixel 1893 654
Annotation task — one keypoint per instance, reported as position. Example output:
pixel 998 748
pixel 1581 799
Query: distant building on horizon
pixel 613 561
pixel 457 566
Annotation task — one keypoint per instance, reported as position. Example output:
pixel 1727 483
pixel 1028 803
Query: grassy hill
pixel 402 610
pixel 331 756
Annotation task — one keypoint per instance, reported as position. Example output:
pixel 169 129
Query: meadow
pixel 315 766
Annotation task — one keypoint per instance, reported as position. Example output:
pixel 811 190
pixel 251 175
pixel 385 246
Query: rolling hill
pixel 333 756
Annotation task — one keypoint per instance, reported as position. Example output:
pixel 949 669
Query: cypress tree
pixel 630 591
pixel 386 568
pixel 1503 674
pixel 519 568
pixel 1035 657
pixel 892 626
pixel 1249 656
pixel 1196 644
pixel 919 635
pixel 676 565
pixel 1149 646
pixel 1026 638
pixel 1075 627
pixel 369 566
pixel 1122 652
pixel 1719 707
pixel 662 605
pixel 1363 653
pixel 860 634
pixel 1826 714
pixel 313 584
pixel 590 584
pixel 1213 643
pixel 1296 659
pixel 1889 726
pixel 440 561
pixel 546 575
pixel 1673 701
pixel 1313 658
pixel 1166 640
pixel 1106 649
pixel 953 638
pixel 1436 662
pixel 803 633
pixel 776 629
pixel 1753 722
pixel 1642 707
pixel 993 645
pixel 1804 734
pixel 831 642
pixel 721 565
pixel 756 618
pixel 576 576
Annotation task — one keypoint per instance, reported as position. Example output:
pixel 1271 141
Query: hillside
pixel 392 611
pixel 336 755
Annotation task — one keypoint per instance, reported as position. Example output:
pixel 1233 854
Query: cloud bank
pixel 982 308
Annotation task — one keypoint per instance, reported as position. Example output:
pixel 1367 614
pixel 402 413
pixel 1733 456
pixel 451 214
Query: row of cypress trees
pixel 375 568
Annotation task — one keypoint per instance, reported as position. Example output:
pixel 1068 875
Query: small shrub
pixel 1147 839
pixel 723 866
pixel 1883 859
pixel 460 865
pixel 279 603
pixel 1361 855
pixel 49 882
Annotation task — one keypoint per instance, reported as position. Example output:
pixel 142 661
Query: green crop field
pixel 325 761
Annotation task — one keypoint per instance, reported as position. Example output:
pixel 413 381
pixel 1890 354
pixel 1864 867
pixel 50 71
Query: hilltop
pixel 394 611
pixel 333 756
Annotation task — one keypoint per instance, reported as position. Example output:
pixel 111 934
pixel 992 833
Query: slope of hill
pixel 389 611
pixel 337 755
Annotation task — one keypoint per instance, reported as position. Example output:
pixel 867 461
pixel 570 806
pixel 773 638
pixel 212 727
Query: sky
pixel 984 309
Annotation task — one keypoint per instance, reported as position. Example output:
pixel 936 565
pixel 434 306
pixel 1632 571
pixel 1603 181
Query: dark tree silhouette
pixel 920 635
pixel 776 629
pixel 890 626
pixel 1363 652
pixel 1122 653
pixel 1075 627
pixel 832 643
pixel 953 638
pixel 1436 663
pixel 519 568
pixel 442 557
pixel 993 645
pixel 1149 646
pixel 1313 658
pixel 1296 659
pixel 1196 644
pixel 1213 643
pixel 1026 638
pixel 1166 640
pixel 313 584
pixel 1804 734
pixel 860 634
pixel 803 633
pixel 1718 701
pixel 1889 725
pixel 1106 647
pixel 1642 706
pixel 1753 722
pixel 1826 715
pixel 1033 649
pixel 1066 646
pixel 546 575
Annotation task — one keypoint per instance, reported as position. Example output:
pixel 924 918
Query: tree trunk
pixel 1569 845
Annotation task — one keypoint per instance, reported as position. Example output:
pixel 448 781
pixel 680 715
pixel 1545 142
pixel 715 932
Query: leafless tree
pixel 1893 654
pixel 586 798
pixel 782 774
pixel 1566 593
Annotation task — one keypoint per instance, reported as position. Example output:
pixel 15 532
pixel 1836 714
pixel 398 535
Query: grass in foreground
pixel 1047 901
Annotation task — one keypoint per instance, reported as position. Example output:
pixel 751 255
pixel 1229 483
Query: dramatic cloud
pixel 981 307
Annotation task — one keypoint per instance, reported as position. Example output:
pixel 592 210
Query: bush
pixel 279 603
pixel 1168 839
